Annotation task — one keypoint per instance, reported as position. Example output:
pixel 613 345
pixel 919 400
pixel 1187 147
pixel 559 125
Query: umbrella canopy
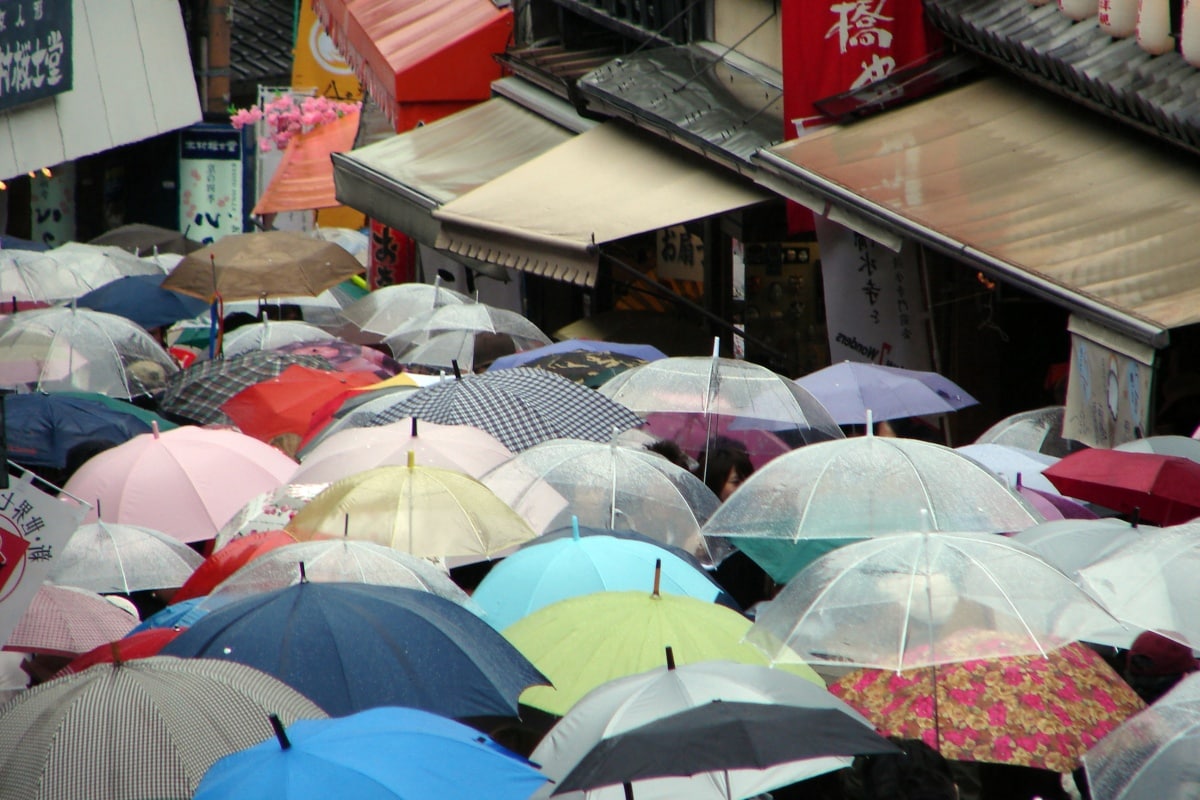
pixel 696 435
pixel 520 407
pixel 1039 429
pixel 67 621
pixel 267 511
pixel 227 560
pixel 246 265
pixel 1164 489
pixel 110 557
pixel 582 642
pixel 352 646
pixel 1152 755
pixel 176 615
pixel 426 511
pixel 388 307
pixel 198 392
pixel 346 356
pixel 142 300
pixel 588 367
pixel 456 447
pixel 460 333
pixel 1014 465
pixel 131 646
pixel 270 334
pixel 752 736
pixel 1072 544
pixel 1182 446
pixel 892 602
pixel 142 239
pixel 853 390
pixel 42 429
pixel 378 754
pixel 1052 505
pixel 607 486
pixel 71 737
pixel 627 703
pixel 65 349
pixel 287 402
pixel 186 482
pixel 63 273
pixel 824 495
pixel 544 572
pixel 576 347
pixel 1030 711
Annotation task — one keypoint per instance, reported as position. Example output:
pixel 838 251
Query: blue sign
pixel 35 50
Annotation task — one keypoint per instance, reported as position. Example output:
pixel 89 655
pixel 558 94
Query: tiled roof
pixel 261 47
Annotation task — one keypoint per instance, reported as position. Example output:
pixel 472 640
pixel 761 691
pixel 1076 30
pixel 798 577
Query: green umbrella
pixel 145 415
pixel 583 642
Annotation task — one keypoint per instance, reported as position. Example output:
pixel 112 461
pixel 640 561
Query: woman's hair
pixel 723 456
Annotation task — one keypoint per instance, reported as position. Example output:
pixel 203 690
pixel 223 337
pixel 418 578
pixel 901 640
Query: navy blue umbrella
pixel 142 299
pixel 42 429
pixel 352 646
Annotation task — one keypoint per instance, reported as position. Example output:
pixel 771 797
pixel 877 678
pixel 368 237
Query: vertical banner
pixel 52 203
pixel 392 258
pixel 1108 391
pixel 34 527
pixel 211 190
pixel 874 304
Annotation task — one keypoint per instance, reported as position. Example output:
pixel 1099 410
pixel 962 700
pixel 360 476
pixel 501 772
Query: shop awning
pixel 1025 187
pixel 550 215
pixel 401 180
pixel 419 51
pixel 303 180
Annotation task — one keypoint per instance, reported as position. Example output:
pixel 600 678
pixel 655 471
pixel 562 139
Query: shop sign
pixel 211 182
pixel 680 254
pixel 35 50
pixel 1108 391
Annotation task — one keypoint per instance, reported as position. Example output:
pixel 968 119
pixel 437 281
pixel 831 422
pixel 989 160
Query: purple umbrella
pixel 850 389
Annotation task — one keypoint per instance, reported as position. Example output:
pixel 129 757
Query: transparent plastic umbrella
pixel 267 511
pixel 389 307
pixel 1013 464
pixel 53 276
pixel 892 602
pixel 111 557
pixel 457 332
pixel 269 334
pixel 1039 429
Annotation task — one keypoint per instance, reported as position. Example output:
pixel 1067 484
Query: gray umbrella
pixel 146 728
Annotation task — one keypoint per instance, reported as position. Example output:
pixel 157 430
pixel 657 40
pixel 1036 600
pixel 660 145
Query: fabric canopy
pixel 304 179
pixel 1027 188
pixel 549 215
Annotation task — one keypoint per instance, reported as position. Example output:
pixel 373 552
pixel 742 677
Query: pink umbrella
pixel 186 482
pixel 346 356
pixel 692 432
pixel 65 621
pixel 1055 506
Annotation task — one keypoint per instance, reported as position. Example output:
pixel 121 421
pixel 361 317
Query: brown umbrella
pixel 143 240
pixel 246 266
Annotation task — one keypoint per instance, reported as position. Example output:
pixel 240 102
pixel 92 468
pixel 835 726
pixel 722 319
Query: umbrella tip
pixel 116 653
pixel 657 576
pixel 670 658
pixel 154 427
pixel 870 423
pixel 575 527
pixel 716 347
pixel 303 573
pixel 412 459
pixel 280 733
pixel 457 372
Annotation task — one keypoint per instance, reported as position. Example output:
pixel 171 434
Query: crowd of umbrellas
pixel 408 546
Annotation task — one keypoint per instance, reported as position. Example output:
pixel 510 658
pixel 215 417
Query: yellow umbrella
pixel 427 511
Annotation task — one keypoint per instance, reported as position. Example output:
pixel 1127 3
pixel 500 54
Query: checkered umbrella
pixel 520 407
pixel 67 621
pixel 198 392
pixel 145 728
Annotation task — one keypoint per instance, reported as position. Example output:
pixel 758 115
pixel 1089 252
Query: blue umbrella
pixel 544 572
pixel 378 754
pixel 142 299
pixel 16 243
pixel 850 389
pixel 176 615
pixel 42 429
pixel 350 646
pixel 645 352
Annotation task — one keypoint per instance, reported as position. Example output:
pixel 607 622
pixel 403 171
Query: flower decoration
pixel 288 115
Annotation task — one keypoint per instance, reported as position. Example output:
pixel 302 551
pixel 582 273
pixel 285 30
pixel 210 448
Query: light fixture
pixel 3 186
pixel 46 171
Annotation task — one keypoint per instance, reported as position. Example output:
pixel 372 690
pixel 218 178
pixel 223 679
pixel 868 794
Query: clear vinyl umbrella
pixel 64 273
pixel 389 307
pixel 269 334
pixel 110 557
pixel 1039 429
pixel 462 333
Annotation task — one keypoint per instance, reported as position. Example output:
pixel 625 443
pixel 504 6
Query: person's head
pixel 724 466
pixel 671 452
pixel 1156 663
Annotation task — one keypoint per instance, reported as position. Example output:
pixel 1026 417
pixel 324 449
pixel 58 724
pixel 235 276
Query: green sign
pixel 35 50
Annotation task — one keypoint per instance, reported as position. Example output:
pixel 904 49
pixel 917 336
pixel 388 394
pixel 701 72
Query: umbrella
pixel 1053 505
pixel 351 646
pixel 1182 446
pixel 346 356
pixel 377 754
pixel 543 572
pixel 133 645
pixel 449 333
pixel 1030 711
pixel 109 557
pixel 827 494
pixel 1072 544
pixel 67 621
pixel 582 642
pixel 287 402
pixel 42 429
pixel 323 310
pixel 607 486
pixel 246 265
pixel 626 703
pixel 147 728
pixel 456 447
pixel 227 560
pixel 142 300
pixel 1014 465
pixel 520 407
pixel 389 307
pixel 574 347
pixel 1040 430
pixel 271 334
pixel 336 561
pixel 360 407
pixel 185 482
pixel 696 435
pixel 1152 755
pixel 851 390
pixel 267 511
pixel 141 239
pixel 64 273
pixel 426 511
pixel 197 392
pixel 176 615
pixel 1164 489
pixel 892 602
pixel 588 367
pixel 752 736
pixel 63 349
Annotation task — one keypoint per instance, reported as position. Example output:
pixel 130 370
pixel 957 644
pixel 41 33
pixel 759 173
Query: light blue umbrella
pixel 176 615
pixel 384 753
pixel 851 390
pixel 544 572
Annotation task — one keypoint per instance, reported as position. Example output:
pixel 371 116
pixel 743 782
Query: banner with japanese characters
pixel 211 182
pixel 874 304
pixel 34 527
pixel 35 50
pixel 1108 391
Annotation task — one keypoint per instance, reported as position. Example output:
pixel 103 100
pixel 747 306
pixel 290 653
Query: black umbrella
pixel 718 736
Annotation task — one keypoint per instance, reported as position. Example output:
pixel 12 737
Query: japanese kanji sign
pixel 211 176
pixel 35 50
pixel 1108 391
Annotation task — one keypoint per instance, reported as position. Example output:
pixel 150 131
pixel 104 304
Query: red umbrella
pixel 286 403
pixel 226 561
pixel 1164 489
pixel 141 644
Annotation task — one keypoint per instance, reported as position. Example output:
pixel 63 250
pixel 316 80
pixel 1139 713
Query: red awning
pixel 419 51
pixel 304 179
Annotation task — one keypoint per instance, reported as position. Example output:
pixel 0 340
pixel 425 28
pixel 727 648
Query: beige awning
pixel 550 215
pixel 1026 187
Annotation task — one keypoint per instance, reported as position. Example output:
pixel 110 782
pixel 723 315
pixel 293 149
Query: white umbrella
pixel 112 557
